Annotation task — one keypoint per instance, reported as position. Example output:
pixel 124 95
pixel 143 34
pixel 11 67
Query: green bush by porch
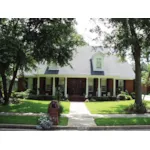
pixel 30 120
pixel 34 106
pixel 122 121
pixel 115 107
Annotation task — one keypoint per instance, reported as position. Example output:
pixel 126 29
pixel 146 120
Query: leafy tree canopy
pixel 24 42
pixel 127 36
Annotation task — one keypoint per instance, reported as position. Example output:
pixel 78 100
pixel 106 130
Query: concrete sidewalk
pixel 20 114
pixel 83 115
pixel 79 115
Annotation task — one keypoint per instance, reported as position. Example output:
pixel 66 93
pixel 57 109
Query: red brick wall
pixel 21 84
pixel 148 89
pixel 144 89
pixel 130 85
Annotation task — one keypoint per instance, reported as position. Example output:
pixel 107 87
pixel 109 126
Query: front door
pixel 76 86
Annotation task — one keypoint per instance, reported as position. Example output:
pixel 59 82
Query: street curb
pixel 134 127
pixel 17 126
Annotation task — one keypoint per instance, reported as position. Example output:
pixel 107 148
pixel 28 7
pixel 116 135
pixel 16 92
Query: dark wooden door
pixel 76 86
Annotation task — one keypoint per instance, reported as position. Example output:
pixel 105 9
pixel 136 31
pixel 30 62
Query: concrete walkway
pixel 79 115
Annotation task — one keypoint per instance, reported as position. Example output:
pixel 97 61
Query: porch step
pixel 77 98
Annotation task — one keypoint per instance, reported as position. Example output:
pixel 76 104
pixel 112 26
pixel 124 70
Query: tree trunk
pixel 12 81
pixel 4 81
pixel 136 51
pixel 138 89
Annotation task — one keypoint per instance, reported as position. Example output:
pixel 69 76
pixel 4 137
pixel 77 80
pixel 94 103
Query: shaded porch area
pixel 75 89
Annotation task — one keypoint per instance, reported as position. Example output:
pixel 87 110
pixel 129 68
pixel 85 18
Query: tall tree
pixel 24 42
pixel 127 35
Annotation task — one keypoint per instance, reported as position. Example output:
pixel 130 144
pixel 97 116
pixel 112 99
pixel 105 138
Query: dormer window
pixel 98 63
pixel 53 66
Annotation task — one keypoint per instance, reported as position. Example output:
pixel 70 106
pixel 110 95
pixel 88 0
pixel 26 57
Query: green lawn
pixel 115 107
pixel 32 120
pixel 63 121
pixel 34 106
pixel 122 121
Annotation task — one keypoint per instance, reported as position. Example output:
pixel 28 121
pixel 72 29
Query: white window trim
pixel 95 57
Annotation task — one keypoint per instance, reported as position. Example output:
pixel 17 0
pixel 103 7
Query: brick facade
pixel 21 86
pixel 129 85
pixel 110 85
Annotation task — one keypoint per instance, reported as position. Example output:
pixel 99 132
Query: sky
pixel 84 25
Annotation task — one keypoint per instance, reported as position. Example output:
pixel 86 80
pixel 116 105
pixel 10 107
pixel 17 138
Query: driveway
pixel 147 97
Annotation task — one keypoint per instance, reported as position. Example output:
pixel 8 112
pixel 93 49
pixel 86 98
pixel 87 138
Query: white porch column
pixel 99 90
pixel 114 87
pixel 53 86
pixel 65 86
pixel 38 84
pixel 87 87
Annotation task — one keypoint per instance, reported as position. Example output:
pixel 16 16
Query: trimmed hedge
pixel 41 97
pixel 28 94
pixel 103 98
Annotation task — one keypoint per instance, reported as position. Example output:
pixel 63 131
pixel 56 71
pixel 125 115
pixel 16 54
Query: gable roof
pixel 82 65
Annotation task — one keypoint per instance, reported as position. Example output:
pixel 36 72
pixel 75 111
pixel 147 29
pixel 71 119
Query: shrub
pixel 134 108
pixel 67 100
pixel 24 94
pixel 60 109
pixel 128 97
pixel 124 93
pixel 121 97
pixel 40 97
pixel 124 96
pixel 113 98
pixel 28 91
pixel 87 100
pixel 132 95
pixel 92 100
pixel 59 93
pixel 20 94
pixel 45 122
pixel 104 98
pixel 14 100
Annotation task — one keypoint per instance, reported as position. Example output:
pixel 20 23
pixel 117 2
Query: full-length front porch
pixel 76 87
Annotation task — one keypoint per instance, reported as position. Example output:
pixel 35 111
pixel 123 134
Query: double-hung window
pixel 98 63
